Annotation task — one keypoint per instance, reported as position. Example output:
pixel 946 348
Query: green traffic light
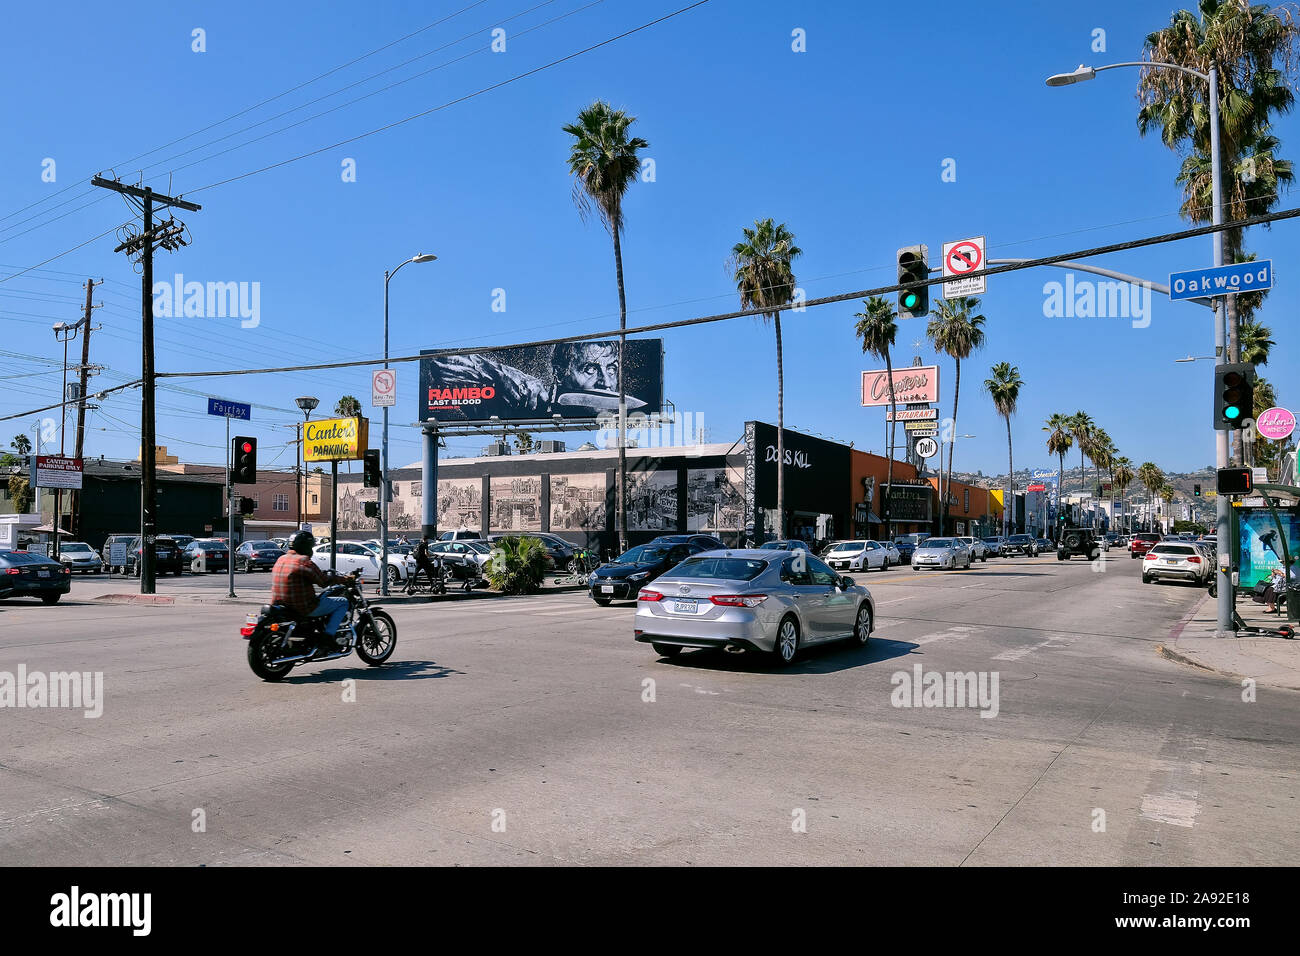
pixel 1232 413
pixel 909 299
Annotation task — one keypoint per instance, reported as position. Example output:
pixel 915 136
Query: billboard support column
pixel 334 514
pixel 429 480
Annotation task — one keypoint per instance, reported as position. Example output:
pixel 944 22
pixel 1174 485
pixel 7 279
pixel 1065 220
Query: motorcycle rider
pixel 423 562
pixel 291 585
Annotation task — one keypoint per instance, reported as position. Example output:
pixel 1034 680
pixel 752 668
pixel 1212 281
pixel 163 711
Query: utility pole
pixel 169 235
pixel 81 398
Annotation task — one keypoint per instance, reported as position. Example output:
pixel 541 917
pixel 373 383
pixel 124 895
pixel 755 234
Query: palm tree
pixel 1152 478
pixel 1100 454
pixel 1123 478
pixel 1004 389
pixel 766 281
pixel 956 329
pixel 1255 341
pixel 1252 46
pixel 21 444
pixel 604 163
pixel 1059 441
pixel 877 328
pixel 349 406
pixel 1081 427
pixel 1167 495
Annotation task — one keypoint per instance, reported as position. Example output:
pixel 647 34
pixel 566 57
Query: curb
pixel 163 599
pixel 171 600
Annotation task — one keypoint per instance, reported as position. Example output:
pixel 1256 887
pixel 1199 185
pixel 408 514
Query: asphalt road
pixel 518 731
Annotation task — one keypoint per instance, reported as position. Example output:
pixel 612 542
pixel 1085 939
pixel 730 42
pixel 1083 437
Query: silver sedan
pixel 759 600
pixel 941 553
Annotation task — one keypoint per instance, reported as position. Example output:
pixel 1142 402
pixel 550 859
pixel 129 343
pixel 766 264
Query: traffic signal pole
pixel 230 513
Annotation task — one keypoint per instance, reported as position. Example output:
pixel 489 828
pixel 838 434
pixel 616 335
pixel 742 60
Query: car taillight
pixel 645 595
pixel 1193 560
pixel 12 571
pixel 67 569
pixel 738 600
pixel 1150 557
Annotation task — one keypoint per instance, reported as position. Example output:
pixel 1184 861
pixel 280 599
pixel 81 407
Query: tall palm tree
pixel 603 161
pixel 877 328
pixel 1059 441
pixel 1123 478
pixel 1100 454
pixel 1255 341
pixel 1004 389
pixel 1252 46
pixel 957 329
pixel 1167 496
pixel 1152 478
pixel 21 444
pixel 1081 427
pixel 766 281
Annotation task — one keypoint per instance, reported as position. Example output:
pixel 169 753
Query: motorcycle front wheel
pixel 377 638
pixel 260 657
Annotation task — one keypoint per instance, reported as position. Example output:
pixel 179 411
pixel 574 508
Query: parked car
pixel 460 535
pixel 257 556
pixel 997 546
pixel 558 551
pixel 26 574
pixel 207 554
pixel 754 600
pixel 166 556
pixel 106 552
pixel 1021 544
pixel 706 541
pixel 1044 545
pixel 79 556
pixel 620 579
pixel 464 560
pixel 1182 560
pixel 943 553
pixel 906 545
pixel 862 556
pixel 354 556
pixel 1142 543
pixel 787 544
pixel 182 540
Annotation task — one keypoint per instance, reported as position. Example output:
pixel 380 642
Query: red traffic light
pixel 247 447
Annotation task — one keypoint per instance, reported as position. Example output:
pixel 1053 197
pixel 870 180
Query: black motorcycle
pixel 278 640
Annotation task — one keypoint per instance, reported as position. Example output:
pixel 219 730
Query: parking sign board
pixel 960 258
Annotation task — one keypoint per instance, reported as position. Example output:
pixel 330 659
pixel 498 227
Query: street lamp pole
pixel 384 480
pixel 306 403
pixel 1224 626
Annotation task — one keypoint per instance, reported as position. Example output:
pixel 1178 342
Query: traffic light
pixel 1235 481
pixel 244 455
pixel 913 266
pixel 247 506
pixel 371 475
pixel 1234 395
pixel 1196 491
pixel 371 509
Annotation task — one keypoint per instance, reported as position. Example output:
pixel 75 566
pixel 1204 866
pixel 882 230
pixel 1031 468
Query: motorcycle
pixel 279 640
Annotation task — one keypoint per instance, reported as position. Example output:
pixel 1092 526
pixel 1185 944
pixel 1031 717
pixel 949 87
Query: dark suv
pixel 166 554
pixel 1021 544
pixel 1077 541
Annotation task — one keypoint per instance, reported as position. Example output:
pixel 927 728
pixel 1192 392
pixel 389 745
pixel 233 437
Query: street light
pixel 1196 358
pixel 65 333
pixel 383 484
pixel 306 403
pixel 1224 625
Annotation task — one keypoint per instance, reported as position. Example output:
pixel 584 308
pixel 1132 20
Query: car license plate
pixel 684 607
pixel 607 589
pixel 42 574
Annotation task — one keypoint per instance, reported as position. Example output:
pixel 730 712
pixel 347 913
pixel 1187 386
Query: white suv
pixel 979 551
pixel 1181 559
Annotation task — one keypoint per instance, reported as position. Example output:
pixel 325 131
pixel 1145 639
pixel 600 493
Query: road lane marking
pixel 1016 653
pixel 1176 807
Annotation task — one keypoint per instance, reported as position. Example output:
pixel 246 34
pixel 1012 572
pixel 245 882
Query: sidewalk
pixel 1269 660
pixel 257 599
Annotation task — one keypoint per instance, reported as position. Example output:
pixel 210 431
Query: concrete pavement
pixel 1269 660
pixel 536 731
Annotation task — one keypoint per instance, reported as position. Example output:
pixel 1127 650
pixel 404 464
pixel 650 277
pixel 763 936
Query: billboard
pixel 574 380
pixel 913 384
pixel 336 439
pixel 1260 551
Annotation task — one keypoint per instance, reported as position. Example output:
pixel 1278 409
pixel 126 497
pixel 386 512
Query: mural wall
pixel 715 499
pixel 516 504
pixel 578 502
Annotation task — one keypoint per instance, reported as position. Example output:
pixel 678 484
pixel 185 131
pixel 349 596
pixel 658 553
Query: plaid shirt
pixel 292 579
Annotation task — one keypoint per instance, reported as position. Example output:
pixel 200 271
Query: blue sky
pixel 845 143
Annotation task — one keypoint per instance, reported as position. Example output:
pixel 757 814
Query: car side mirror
pixel 846 583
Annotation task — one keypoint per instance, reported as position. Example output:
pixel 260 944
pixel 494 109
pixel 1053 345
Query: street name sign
pixel 1221 280
pixel 224 409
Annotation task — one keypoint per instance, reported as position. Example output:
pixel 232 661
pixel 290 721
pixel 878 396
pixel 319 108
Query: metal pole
pixel 230 514
pixel 63 426
pixel 148 461
pixel 334 518
pixel 1222 505
pixel 383 470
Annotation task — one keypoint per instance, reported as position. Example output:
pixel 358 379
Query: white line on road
pixel 1016 653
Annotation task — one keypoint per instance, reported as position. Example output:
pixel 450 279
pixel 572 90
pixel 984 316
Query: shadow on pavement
pixel 821 659
pixel 358 670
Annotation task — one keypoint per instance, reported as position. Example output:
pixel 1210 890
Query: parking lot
pixel 534 729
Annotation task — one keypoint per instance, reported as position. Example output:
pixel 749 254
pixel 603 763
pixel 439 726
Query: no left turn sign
pixel 383 388
pixel 959 259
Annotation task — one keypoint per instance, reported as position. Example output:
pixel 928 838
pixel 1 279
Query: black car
pixel 257 556
pixel 166 556
pixel 25 574
pixel 790 544
pixel 622 578
pixel 1022 544
pixel 705 541
pixel 207 554
pixel 905 548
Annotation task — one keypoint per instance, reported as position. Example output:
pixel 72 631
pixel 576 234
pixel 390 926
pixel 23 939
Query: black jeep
pixel 1077 541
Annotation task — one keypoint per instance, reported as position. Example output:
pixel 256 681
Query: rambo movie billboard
pixel 575 380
